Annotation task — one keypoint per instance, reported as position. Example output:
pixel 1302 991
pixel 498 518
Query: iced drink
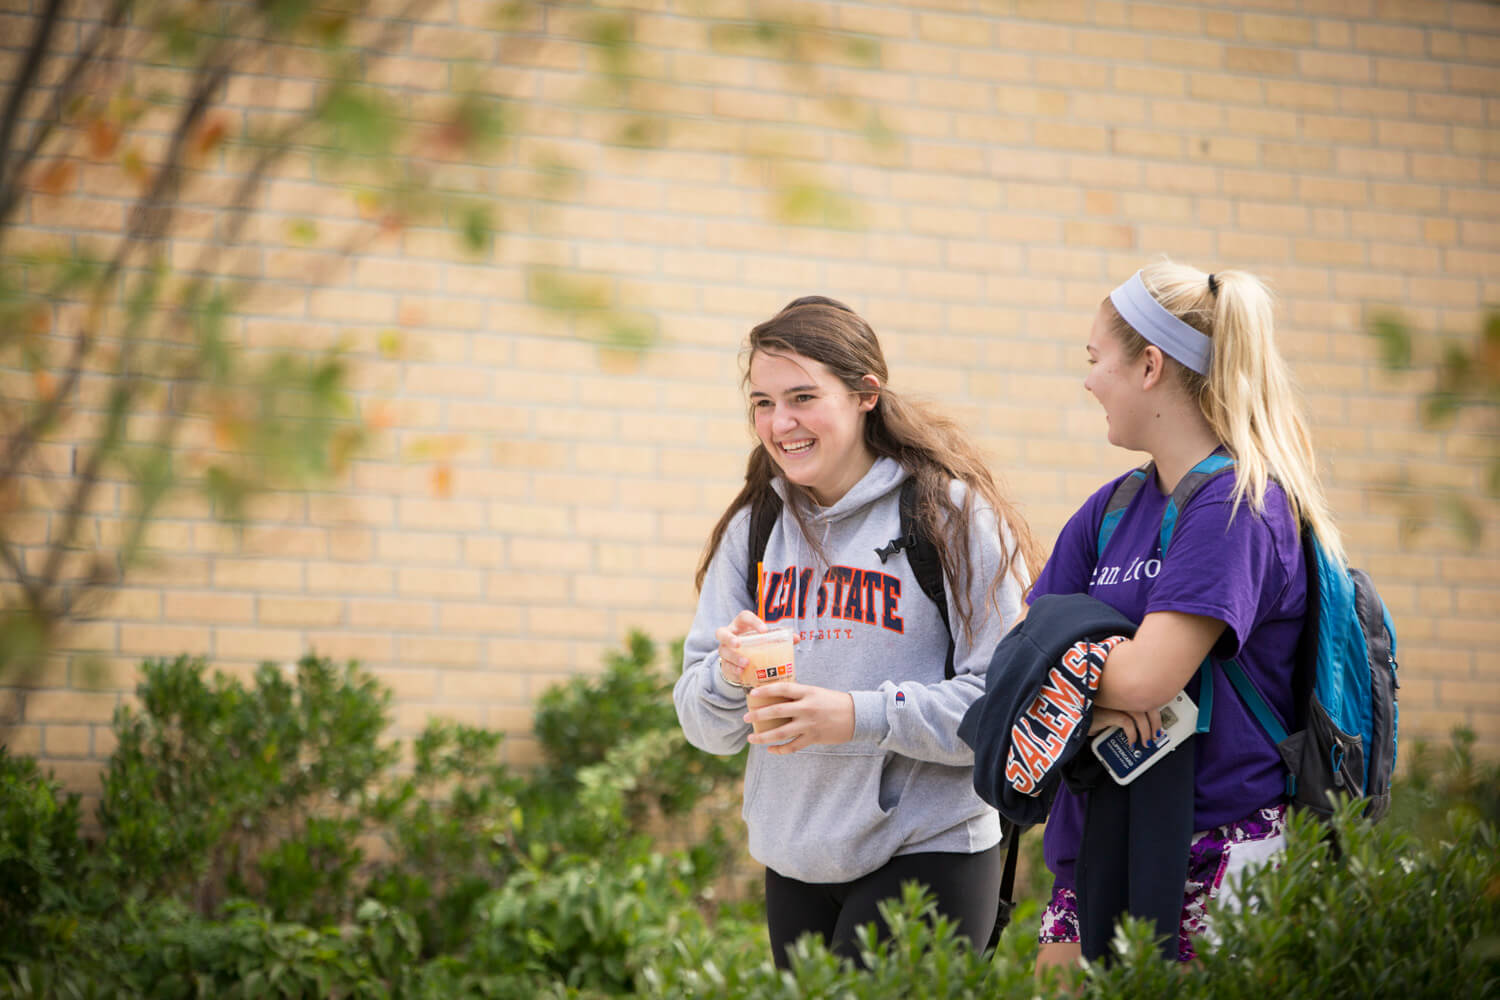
pixel 771 659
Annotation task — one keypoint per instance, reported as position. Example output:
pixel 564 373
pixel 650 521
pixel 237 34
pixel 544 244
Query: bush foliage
pixel 256 841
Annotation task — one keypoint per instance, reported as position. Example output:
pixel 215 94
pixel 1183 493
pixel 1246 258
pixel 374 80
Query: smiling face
pixel 1116 382
pixel 810 423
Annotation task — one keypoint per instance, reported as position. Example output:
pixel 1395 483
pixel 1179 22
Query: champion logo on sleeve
pixel 900 697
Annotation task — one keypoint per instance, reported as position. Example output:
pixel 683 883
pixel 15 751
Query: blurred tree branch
pixel 126 379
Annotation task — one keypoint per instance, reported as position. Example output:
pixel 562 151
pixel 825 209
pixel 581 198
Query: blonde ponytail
pixel 1248 395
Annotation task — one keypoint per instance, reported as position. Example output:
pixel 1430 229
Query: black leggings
pixel 966 886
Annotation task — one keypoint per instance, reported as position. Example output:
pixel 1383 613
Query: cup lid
pixel 774 635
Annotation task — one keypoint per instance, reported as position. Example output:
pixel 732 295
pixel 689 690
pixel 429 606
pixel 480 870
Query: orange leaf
pixel 224 434
pixel 452 136
pixel 379 417
pixel 46 384
pixel 103 137
pixel 442 481
pixel 1489 358
pixel 210 135
pixel 56 178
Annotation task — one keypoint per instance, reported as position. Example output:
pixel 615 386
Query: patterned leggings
pixel 1208 858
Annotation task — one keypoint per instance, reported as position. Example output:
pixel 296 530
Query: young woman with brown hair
pixel 862 783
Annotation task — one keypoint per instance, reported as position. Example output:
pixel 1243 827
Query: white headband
pixel 1150 319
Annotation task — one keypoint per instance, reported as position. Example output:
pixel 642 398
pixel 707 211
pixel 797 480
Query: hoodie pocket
pixel 818 817
pixel 896 776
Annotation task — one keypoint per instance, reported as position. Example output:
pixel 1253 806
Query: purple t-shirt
pixel 1245 571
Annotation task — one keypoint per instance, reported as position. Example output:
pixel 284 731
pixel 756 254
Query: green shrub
pixel 548 885
pixel 1435 785
pixel 207 776
pixel 166 951
pixel 41 856
pixel 306 877
pixel 922 957
pixel 451 825
pixel 580 722
pixel 1391 917
pixel 585 926
pixel 462 823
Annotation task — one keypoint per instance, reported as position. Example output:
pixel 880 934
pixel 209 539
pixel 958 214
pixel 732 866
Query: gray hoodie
pixel 904 783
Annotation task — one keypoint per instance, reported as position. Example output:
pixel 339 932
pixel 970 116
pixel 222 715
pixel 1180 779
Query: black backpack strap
pixel 1010 833
pixel 1305 664
pixel 925 563
pixel 763 515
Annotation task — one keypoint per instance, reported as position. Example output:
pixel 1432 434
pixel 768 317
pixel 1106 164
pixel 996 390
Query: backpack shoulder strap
pixel 925 563
pixel 1187 488
pixel 763 515
pixel 1125 492
pixel 1182 494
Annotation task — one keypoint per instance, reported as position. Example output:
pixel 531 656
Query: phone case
pixel 1126 761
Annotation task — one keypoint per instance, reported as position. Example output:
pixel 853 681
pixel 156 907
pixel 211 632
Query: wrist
pixel 731 677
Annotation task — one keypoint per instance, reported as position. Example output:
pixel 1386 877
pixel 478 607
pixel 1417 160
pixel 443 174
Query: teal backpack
pixel 1343 740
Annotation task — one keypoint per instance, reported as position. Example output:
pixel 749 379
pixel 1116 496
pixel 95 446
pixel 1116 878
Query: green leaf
pixel 877 133
pixel 631 333
pixel 613 33
pixel 180 37
pixel 153 471
pixel 208 321
pixel 227 492
pixel 363 123
pixel 475 228
pixel 865 51
pixel 1490 335
pixel 23 637
pixel 142 297
pixel 302 231
pixel 1439 407
pixel 1395 340
pixel 285 15
pixel 391 344
pixel 485 120
pixel 1461 516
pixel 566 293
pixel 810 203
pixel 558 174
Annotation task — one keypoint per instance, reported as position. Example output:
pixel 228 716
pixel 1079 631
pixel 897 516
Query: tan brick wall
pixel 1344 149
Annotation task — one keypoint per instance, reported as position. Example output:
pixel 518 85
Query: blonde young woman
pixel 1185 365
pixel 863 784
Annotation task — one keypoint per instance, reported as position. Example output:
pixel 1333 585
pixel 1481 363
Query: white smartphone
pixel 1125 761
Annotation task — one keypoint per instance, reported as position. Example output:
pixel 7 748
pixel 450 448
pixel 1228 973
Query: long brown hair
pixel 932 448
pixel 1248 395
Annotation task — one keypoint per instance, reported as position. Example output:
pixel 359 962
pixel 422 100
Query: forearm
pixel 710 711
pixel 923 725
pixel 1144 673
